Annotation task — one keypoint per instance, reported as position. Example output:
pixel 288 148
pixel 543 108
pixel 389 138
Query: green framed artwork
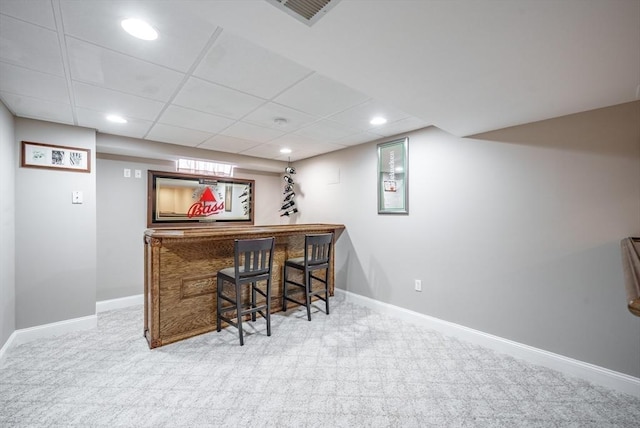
pixel 393 177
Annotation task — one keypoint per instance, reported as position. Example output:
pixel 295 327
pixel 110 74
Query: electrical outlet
pixel 418 285
pixel 76 197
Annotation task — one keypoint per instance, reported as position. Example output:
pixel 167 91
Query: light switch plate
pixel 127 173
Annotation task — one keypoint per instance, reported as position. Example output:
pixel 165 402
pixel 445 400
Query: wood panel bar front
pixel 180 273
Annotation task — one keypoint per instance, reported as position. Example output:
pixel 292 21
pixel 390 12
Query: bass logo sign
pixel 206 206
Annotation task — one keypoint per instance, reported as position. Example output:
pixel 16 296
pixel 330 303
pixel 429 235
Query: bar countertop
pixel 240 231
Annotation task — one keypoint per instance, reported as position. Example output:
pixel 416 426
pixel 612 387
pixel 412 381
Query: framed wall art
pixel 393 173
pixel 39 155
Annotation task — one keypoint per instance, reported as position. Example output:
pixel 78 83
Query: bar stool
pixel 317 254
pixel 253 261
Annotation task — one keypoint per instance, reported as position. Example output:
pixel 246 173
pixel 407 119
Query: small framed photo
pixel 39 155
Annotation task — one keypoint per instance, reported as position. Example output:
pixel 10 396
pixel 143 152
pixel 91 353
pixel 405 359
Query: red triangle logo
pixel 207 196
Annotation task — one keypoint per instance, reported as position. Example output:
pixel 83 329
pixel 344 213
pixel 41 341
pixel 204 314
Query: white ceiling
pixel 222 71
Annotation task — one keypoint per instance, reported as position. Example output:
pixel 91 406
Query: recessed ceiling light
pixel 378 120
pixel 139 28
pixel 285 151
pixel 116 119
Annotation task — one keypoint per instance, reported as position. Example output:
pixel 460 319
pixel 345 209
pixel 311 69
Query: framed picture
pixel 39 155
pixel 393 177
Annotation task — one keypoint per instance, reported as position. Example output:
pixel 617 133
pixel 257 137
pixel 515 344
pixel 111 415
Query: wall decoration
pixel 393 182
pixel 39 155
pixel 178 199
pixel 288 204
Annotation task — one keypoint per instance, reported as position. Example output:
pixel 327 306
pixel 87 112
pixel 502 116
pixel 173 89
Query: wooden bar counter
pixel 180 273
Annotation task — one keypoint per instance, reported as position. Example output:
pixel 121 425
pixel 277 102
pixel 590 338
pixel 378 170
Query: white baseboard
pixel 123 302
pixel 7 345
pixel 25 335
pixel 595 374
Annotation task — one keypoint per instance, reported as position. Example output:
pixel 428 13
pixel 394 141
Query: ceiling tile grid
pixel 221 73
pixel 136 128
pixel 235 63
pixel 38 108
pixel 31 83
pixel 182 34
pixel 197 85
pixel 30 46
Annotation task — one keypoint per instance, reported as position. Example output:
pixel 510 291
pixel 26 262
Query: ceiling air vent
pixel 307 11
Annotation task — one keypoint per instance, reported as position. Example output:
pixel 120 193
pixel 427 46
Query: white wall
pixel 515 233
pixel 122 216
pixel 7 225
pixel 55 239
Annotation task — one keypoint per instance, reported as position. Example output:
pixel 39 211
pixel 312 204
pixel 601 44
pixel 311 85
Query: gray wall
pixel 7 225
pixel 121 221
pixel 55 240
pixel 515 233
pixel 122 216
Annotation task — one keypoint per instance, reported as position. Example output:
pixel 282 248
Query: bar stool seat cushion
pixel 230 271
pixel 296 261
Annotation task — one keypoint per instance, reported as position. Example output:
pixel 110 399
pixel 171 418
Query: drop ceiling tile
pixel 182 34
pixel 35 108
pixel 355 139
pixel 224 143
pixel 18 37
pixel 320 96
pixel 293 157
pixel 267 113
pixel 294 140
pixel 180 116
pixel 113 102
pixel 321 149
pixel 22 81
pixel 177 135
pixel 300 144
pixel 35 12
pixel 404 125
pixel 326 130
pixel 272 151
pixel 239 64
pixel 215 99
pixel 250 132
pixel 269 151
pixel 360 115
pixel 102 67
pixel 134 128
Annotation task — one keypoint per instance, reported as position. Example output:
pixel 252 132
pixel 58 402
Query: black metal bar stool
pixel 317 254
pixel 253 261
